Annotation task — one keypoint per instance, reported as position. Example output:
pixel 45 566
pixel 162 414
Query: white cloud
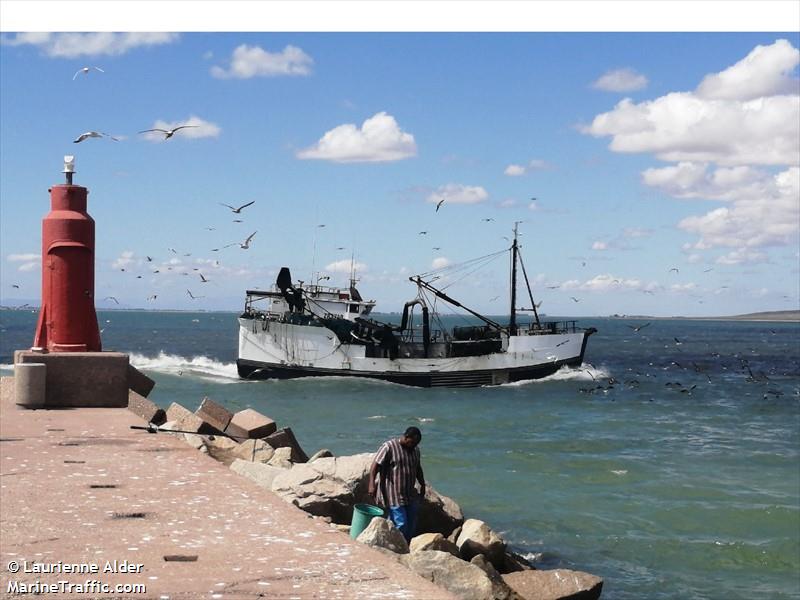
pixel 766 71
pixel 763 208
pixel 24 257
pixel 440 262
pixel 456 193
pixel 253 61
pixel 600 246
pixel 621 80
pixel 73 45
pixel 683 127
pixel 742 256
pixel 508 203
pixel 29 261
pixel 720 136
pixel 534 206
pixel 755 127
pixel 200 128
pixel 345 266
pixel 379 139
pixel 603 283
pixel 535 164
pixel 125 259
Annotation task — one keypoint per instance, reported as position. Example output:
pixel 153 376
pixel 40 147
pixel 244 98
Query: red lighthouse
pixel 67 320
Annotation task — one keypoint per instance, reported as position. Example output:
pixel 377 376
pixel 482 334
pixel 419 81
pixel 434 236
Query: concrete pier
pixel 79 487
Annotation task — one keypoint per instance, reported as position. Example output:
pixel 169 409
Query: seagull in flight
pixel 487 220
pixel 151 298
pixel 674 269
pixel 574 299
pixel 238 210
pixel 423 233
pixel 192 296
pixel 111 298
pixel 439 204
pixel 437 248
pixel 85 71
pixel 149 259
pixel 14 285
pixel 637 328
pixel 203 279
pixel 168 133
pixel 92 134
pixel 243 245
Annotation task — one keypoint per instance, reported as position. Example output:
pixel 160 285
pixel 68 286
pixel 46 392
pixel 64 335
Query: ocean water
pixel 669 465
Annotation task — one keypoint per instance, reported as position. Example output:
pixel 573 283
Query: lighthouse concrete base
pixel 82 379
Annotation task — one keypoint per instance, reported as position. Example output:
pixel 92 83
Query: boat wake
pixel 585 372
pixel 196 366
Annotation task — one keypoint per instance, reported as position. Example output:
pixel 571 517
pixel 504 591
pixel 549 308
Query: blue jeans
pixel 405 518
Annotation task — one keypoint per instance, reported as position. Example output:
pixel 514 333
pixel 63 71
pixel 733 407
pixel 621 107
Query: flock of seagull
pixel 714 362
pixel 245 245
pixel 168 133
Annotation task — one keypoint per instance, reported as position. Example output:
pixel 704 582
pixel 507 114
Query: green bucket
pixel 362 515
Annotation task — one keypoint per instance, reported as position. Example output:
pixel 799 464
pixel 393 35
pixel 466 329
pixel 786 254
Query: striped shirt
pixel 398 472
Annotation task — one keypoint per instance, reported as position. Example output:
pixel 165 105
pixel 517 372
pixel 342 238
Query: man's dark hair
pixel 413 432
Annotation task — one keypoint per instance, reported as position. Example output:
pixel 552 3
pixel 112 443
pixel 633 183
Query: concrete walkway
pixel 80 487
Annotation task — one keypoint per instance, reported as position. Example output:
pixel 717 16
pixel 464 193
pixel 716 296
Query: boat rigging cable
pixel 530 294
pixel 466 269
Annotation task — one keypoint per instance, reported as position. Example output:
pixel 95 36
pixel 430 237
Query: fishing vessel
pixel 300 330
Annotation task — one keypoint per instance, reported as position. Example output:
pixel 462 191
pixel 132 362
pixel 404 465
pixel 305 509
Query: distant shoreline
pixel 775 316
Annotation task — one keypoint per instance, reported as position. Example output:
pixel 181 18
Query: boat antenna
pixel 353 268
pixel 512 324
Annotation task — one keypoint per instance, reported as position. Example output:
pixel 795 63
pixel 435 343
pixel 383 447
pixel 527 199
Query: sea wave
pixel 585 372
pixel 198 366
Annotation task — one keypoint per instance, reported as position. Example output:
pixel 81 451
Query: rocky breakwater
pixel 466 557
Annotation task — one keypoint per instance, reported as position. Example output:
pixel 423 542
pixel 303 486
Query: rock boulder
pixel 460 578
pixel 478 538
pixel 433 541
pixel 281 458
pixel 327 487
pixel 254 451
pixel 249 423
pixel 438 513
pixel 555 584
pixel 262 474
pixel 500 589
pixel 383 534
pixel 284 438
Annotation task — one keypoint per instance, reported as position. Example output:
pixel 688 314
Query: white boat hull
pixel 272 349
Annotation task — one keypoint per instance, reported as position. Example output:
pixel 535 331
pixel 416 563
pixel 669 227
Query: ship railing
pixel 416 337
pixel 549 328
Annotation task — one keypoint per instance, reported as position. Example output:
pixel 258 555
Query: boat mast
pixel 439 294
pixel 512 324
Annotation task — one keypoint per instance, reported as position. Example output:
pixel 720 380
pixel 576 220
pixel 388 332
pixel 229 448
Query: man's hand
pixel 371 490
pixel 422 490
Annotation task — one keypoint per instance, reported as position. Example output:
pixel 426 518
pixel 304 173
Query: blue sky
pixel 664 166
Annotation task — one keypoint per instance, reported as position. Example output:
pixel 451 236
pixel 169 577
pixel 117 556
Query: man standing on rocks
pixel 398 461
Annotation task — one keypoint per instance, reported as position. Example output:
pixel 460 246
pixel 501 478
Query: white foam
pixel 199 366
pixel 585 372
